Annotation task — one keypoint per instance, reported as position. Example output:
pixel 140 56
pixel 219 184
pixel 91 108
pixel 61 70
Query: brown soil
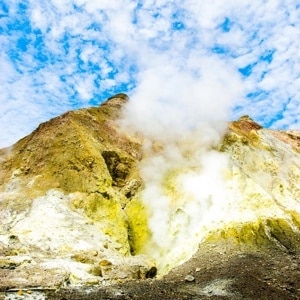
pixel 217 272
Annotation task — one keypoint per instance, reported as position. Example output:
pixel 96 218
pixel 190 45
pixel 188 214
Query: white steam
pixel 171 100
pixel 183 113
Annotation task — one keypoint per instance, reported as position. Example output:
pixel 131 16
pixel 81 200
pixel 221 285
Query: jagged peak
pixel 244 126
pixel 116 100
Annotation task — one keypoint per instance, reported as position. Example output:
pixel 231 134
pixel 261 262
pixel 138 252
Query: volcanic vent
pixel 87 201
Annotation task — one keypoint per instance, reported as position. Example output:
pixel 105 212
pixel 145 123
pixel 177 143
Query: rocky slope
pixel 64 191
pixel 72 212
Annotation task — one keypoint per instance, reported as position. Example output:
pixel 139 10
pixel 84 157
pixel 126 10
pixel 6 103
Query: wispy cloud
pixel 60 55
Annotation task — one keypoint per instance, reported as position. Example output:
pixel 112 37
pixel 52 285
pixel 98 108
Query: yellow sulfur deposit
pixel 81 191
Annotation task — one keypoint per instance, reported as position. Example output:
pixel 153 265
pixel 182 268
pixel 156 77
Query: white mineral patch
pixel 54 234
pixel 218 287
pixel 25 295
pixel 52 225
pixel 59 232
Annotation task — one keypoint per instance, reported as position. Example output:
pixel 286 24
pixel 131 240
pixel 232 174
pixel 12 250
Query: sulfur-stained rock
pixel 63 189
pixel 138 267
pixel 33 276
pixel 75 208
pixel 139 232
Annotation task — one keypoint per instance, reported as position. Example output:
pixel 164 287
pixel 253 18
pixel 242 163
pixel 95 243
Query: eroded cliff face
pixel 263 185
pixel 64 189
pixel 72 207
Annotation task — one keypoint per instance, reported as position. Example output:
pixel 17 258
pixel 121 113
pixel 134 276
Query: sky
pixel 222 58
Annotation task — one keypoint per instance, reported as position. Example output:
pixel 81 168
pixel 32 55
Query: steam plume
pixel 185 111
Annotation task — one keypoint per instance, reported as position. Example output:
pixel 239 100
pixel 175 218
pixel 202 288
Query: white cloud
pixel 187 65
pixel 116 43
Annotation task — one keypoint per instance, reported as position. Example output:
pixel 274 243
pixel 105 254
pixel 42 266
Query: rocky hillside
pixel 72 209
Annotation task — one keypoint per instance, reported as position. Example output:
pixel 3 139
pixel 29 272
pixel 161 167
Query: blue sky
pixel 230 57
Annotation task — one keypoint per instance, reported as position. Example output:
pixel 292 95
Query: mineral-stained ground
pixel 217 272
pixel 74 223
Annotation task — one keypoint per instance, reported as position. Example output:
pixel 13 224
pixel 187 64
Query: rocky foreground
pixel 73 223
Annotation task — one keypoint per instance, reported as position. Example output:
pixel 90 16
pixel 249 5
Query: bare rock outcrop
pixel 72 212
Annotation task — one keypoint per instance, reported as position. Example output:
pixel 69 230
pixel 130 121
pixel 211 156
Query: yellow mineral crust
pixel 74 195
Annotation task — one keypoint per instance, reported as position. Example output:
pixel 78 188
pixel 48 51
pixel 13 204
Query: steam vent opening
pixel 195 191
pixel 86 199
